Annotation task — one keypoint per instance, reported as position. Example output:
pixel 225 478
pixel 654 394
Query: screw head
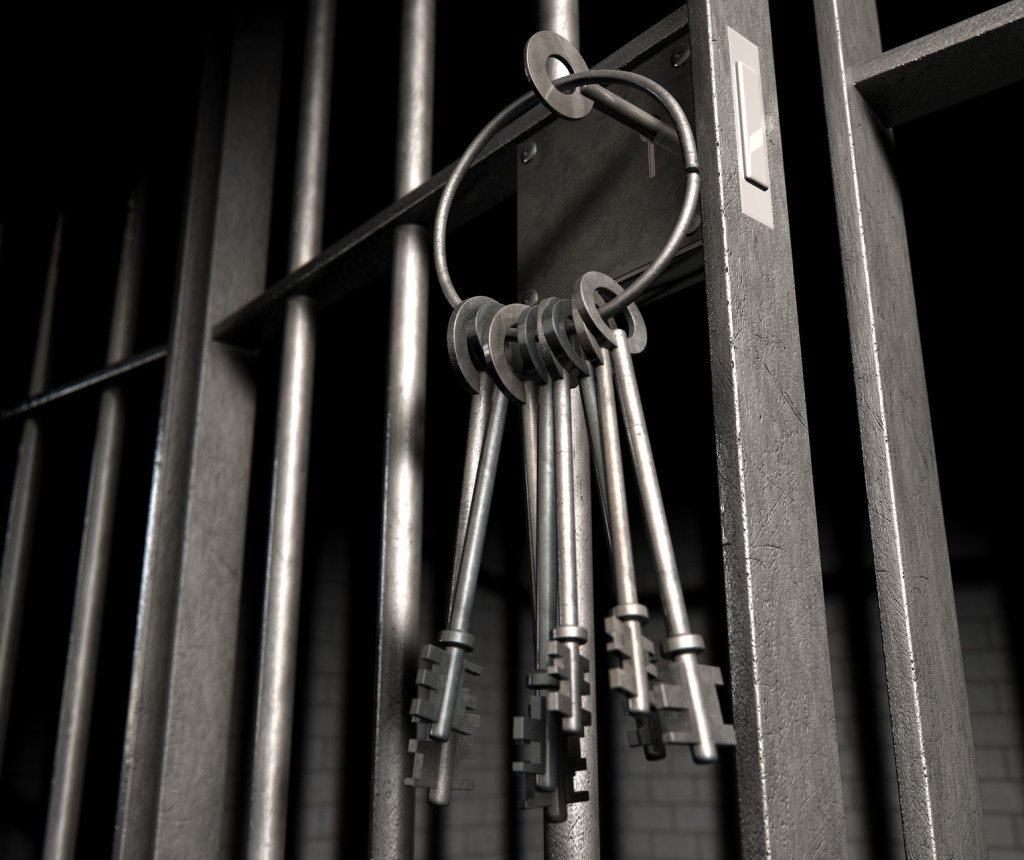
pixel 528 152
pixel 681 57
pixel 530 297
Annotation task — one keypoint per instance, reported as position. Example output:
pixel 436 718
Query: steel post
pixel 391 819
pixel 175 796
pixel 931 726
pixel 94 559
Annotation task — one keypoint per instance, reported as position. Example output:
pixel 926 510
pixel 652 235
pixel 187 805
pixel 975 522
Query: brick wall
pixel 672 808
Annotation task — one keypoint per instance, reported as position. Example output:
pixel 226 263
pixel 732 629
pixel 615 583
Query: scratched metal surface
pixel 174 775
pixel 924 669
pixel 787 759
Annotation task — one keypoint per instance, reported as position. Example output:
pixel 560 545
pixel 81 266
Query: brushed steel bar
pixel 790 794
pixel 268 800
pixel 21 516
pixel 94 559
pixel 931 725
pixel 176 795
pixel 579 836
pixel 393 804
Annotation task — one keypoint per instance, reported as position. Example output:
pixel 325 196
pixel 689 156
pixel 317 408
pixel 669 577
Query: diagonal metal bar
pixel 90 381
pixel 944 68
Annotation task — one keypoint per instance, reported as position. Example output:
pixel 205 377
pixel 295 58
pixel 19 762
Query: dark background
pixel 95 97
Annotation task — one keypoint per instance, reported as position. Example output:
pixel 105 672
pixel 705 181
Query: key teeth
pixel 671 701
pixel 428 765
pixel 430 678
pixel 562 701
pixel 620 677
pixel 528 733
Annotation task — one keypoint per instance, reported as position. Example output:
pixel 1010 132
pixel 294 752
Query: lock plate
pixel 592 195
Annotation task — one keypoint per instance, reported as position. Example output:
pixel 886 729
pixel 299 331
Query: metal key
pixel 566 662
pixel 632 653
pixel 686 695
pixel 548 757
pixel 443 705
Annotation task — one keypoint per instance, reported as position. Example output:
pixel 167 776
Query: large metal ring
pixel 502 372
pixel 687 211
pixel 467 333
pixel 541 47
pixel 592 292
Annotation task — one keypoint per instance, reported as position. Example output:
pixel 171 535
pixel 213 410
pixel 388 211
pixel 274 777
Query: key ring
pixel 520 106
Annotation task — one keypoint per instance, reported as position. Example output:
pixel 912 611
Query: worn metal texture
pixel 355 259
pixel 587 200
pixel 279 643
pixel 790 794
pixel 21 516
pixel 924 669
pixel 94 561
pixel 579 836
pixel 393 803
pixel 944 68
pixel 174 773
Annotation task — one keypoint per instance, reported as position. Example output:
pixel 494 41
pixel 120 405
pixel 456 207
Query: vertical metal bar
pixel 391 818
pixel 94 558
pixel 791 802
pixel 579 836
pixel 931 726
pixel 268 805
pixel 175 779
pixel 24 500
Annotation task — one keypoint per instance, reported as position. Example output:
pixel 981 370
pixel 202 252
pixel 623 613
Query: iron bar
pixel 392 806
pixel 93 565
pixel 939 796
pixel 268 803
pixel 25 499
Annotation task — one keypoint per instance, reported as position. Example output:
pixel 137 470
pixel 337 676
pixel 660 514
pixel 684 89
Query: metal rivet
pixel 680 57
pixel 529 151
